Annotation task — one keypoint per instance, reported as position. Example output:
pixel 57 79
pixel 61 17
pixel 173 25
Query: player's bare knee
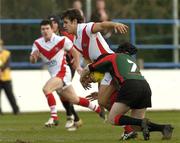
pixel 46 90
pixel 74 100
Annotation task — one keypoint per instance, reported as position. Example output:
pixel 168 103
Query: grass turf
pixel 28 128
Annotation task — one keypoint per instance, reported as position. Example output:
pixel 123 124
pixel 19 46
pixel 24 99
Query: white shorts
pixel 66 77
pixel 107 79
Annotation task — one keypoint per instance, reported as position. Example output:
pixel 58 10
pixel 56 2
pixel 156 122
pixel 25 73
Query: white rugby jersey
pixel 91 45
pixel 53 53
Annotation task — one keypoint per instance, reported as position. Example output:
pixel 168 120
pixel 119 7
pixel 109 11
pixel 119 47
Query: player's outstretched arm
pixel 109 25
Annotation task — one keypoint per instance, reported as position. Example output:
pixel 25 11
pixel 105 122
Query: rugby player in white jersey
pixel 73 120
pixel 90 43
pixel 51 49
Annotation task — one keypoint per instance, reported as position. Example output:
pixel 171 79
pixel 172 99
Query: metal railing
pixel 131 22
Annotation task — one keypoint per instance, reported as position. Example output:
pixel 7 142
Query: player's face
pixel 46 31
pixel 68 26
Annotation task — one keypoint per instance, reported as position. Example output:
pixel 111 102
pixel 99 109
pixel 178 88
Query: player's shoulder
pixel 64 39
pixel 82 25
pixel 39 40
pixel 59 38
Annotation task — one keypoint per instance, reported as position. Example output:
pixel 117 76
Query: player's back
pixel 127 67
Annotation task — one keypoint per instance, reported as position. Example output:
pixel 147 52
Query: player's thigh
pixel 104 94
pixel 53 84
pixel 70 95
pixel 106 89
pixel 117 108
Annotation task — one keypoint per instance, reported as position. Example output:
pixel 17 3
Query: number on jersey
pixel 134 66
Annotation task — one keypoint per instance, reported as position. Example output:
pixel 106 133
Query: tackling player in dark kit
pixel 134 94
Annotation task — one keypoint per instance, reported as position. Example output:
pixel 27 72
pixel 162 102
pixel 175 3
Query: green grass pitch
pixel 28 128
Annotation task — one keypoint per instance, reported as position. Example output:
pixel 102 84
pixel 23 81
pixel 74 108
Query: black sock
pixel 76 117
pixel 67 106
pixel 155 127
pixel 126 120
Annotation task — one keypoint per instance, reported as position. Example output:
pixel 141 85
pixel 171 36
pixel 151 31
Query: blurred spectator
pixel 100 15
pixel 5 77
pixel 78 5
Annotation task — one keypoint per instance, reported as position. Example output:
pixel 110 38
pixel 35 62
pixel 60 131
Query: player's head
pixel 55 20
pixel 71 18
pixel 46 29
pixel 127 48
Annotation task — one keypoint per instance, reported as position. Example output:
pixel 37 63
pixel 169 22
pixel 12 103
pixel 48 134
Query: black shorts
pixel 135 93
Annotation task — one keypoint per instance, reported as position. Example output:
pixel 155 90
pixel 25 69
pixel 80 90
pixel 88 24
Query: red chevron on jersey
pixel 53 51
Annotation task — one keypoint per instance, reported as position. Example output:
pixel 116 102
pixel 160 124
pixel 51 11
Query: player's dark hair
pixel 54 18
pixel 46 22
pixel 72 14
pixel 127 48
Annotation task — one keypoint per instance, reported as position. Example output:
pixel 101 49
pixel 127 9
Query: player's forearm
pixel 32 59
pixel 109 25
pixel 100 27
pixel 76 57
pixel 103 65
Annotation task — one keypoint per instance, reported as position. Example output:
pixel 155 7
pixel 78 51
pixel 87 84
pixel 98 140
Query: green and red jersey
pixel 120 66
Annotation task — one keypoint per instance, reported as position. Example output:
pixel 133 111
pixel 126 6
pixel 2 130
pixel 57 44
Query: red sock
pixel 83 102
pixel 98 109
pixel 128 129
pixel 52 105
pixel 116 119
pixel 51 100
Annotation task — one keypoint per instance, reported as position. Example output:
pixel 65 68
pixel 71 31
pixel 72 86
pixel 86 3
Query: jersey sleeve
pixel 68 44
pixel 103 65
pixel 34 48
pixel 89 28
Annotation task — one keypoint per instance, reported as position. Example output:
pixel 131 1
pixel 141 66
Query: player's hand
pixel 85 78
pixel 85 82
pixel 34 56
pixel 121 28
pixel 84 74
pixel 86 85
pixel 93 96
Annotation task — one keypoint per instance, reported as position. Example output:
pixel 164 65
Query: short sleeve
pixel 34 48
pixel 68 44
pixel 89 28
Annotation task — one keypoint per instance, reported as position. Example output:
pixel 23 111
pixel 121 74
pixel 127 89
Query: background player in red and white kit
pixel 90 43
pixel 73 121
pixel 51 49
